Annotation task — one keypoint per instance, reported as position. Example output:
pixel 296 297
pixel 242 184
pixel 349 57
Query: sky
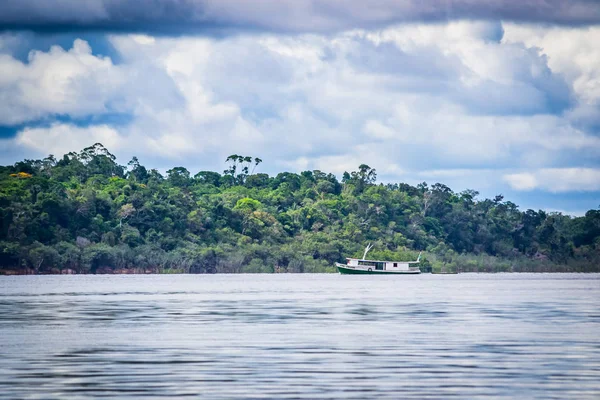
pixel 501 96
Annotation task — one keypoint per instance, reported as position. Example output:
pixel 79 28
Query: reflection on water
pixel 301 336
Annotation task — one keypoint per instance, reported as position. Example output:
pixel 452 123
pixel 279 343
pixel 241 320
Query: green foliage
pixel 85 213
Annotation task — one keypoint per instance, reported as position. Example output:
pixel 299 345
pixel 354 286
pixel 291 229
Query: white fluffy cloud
pixel 59 139
pixel 575 54
pixel 556 179
pixel 413 101
pixel 569 51
pixel 58 82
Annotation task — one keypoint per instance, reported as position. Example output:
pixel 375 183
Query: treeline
pixel 85 213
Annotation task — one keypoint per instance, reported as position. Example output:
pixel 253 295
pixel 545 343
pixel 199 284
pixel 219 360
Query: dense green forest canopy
pixel 85 213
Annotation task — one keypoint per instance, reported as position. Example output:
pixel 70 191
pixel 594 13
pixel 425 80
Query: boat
pixel 362 266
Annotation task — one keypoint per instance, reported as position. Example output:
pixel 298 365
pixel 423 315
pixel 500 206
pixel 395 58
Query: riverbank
pixel 141 271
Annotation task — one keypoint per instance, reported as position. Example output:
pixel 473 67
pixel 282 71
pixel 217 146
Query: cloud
pixel 556 180
pixel 76 84
pixel 177 16
pixel 522 181
pixel 569 51
pixel 573 53
pixel 58 82
pixel 59 139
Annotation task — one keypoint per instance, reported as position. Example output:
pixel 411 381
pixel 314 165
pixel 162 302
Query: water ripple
pixel 300 337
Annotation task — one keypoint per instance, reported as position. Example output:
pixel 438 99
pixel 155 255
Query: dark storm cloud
pixel 177 16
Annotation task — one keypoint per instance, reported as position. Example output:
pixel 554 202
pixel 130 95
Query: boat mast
pixel 369 247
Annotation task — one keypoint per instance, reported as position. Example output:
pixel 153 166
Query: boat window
pixel 366 263
pixel 395 265
pixel 379 265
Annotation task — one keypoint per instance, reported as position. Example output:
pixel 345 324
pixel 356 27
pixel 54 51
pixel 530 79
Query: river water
pixel 301 336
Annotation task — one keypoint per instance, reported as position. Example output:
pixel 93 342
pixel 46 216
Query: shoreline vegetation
pixel 86 214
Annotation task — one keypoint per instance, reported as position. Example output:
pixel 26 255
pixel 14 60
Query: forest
pixel 85 213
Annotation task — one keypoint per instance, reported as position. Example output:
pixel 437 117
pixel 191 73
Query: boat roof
pixel 403 262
